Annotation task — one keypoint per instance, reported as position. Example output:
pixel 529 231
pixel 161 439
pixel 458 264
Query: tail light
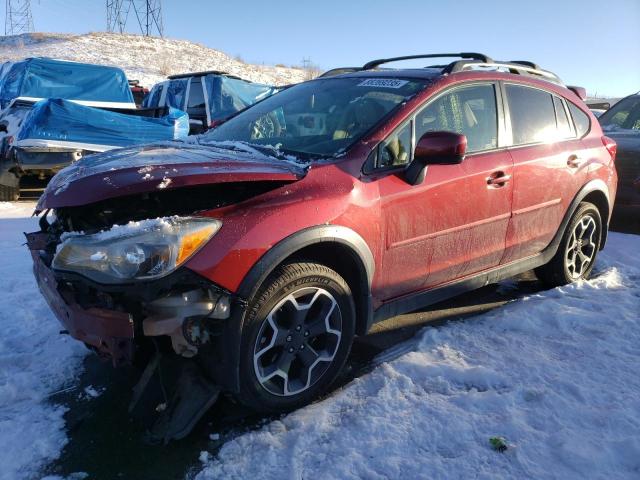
pixel 9 139
pixel 611 146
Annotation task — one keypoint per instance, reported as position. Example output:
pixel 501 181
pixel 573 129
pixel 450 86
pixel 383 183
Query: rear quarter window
pixel 580 119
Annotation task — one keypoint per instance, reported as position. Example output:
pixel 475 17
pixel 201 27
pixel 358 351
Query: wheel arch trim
pixel 595 185
pixel 305 238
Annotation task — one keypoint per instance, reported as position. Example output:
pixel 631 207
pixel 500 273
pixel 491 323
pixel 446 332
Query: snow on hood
pixel 164 165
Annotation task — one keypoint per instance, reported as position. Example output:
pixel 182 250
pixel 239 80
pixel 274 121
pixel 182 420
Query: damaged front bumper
pixel 114 320
pixel 117 320
pixel 109 332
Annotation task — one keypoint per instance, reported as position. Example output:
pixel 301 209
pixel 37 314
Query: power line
pixel 148 14
pixel 18 18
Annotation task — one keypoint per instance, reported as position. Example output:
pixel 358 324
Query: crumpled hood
pixel 166 165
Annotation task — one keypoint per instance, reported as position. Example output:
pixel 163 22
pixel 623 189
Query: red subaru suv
pixel 260 249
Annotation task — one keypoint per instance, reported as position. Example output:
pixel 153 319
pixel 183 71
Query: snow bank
pixel 35 360
pixel 555 373
pixel 148 59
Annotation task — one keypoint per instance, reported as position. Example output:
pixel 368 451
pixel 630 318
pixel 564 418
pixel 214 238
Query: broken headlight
pixel 138 250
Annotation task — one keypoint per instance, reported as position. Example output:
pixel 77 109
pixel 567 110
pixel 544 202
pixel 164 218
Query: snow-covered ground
pixel 148 59
pixel 555 373
pixel 35 361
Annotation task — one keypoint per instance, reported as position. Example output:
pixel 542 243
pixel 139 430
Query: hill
pixel 148 59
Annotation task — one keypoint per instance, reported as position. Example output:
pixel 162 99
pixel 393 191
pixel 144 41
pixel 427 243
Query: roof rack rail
pixel 526 63
pixel 200 74
pixel 339 71
pixel 521 67
pixel 469 55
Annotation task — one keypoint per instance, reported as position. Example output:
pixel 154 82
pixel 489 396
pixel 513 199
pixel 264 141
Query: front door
pixel 455 222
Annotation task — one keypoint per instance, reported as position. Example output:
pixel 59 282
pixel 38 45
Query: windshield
pixel 321 118
pixel 624 115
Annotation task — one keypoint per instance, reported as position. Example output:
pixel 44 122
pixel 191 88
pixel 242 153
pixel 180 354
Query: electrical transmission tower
pixel 148 14
pixel 18 17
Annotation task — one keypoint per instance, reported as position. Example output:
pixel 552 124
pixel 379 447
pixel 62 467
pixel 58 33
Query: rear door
pixel 548 167
pixel 454 223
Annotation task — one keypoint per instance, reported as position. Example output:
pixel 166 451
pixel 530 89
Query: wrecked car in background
pixel 70 129
pixel 138 91
pixel 622 123
pixel 88 84
pixel 252 255
pixel 208 97
pixel 55 112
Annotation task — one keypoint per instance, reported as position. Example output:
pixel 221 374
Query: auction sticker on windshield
pixel 383 82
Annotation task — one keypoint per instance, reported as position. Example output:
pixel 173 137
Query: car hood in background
pixel 626 139
pixel 167 165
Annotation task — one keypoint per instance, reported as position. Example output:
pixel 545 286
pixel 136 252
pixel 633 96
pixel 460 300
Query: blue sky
pixel 590 43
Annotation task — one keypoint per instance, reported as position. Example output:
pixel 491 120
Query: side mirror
pixel 435 148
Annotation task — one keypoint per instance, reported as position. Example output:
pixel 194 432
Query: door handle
pixel 574 161
pixel 498 179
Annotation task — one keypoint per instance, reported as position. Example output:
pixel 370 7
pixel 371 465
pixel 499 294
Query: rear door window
pixel 533 118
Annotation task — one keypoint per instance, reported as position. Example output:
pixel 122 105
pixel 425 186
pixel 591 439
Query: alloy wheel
pixel 581 247
pixel 297 341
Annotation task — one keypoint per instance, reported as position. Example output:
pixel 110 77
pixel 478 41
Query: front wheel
pixel 296 337
pixel 578 249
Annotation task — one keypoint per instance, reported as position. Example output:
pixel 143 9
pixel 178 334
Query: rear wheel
pixel 578 249
pixel 296 338
pixel 9 194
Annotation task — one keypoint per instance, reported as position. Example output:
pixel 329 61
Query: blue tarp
pixel 47 78
pixel 226 95
pixel 61 120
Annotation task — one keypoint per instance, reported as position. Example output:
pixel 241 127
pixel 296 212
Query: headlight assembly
pixel 138 250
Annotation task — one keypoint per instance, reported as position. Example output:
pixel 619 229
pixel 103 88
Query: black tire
pixel 9 194
pixel 559 271
pixel 311 282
